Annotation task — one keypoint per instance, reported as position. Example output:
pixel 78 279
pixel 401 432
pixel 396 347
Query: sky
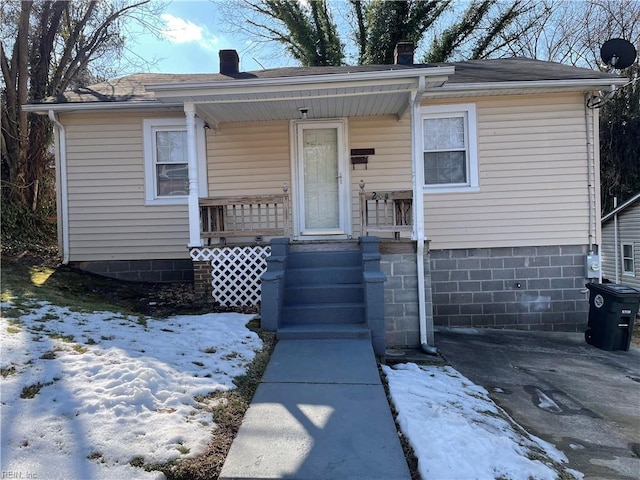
pixel 192 35
pixel 84 393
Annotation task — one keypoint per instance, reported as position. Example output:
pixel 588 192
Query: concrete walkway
pixel 320 413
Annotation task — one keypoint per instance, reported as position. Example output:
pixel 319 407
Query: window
pixel 628 267
pixel 166 161
pixel 449 148
pixel 172 167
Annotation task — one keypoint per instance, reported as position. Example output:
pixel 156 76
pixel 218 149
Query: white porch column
pixel 192 158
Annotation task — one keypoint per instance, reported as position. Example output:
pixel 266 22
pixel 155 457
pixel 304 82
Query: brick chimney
pixel 403 53
pixel 229 62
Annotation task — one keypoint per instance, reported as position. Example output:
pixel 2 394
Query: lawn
pixel 95 389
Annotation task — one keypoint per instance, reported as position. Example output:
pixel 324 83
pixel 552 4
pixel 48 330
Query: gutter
pixel 427 340
pixel 61 159
pixel 45 108
pixel 572 84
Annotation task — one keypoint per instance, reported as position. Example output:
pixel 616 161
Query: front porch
pixel 240 234
pixel 252 219
pixel 319 161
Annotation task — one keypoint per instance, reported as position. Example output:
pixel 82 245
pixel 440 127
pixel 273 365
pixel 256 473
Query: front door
pixel 321 183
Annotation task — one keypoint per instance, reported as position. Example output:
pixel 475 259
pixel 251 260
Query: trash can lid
pixel 613 289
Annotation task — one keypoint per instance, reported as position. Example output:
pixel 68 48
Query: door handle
pixel 339 177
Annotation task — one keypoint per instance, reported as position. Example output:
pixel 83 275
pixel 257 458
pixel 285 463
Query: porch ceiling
pixel 318 106
pixel 240 101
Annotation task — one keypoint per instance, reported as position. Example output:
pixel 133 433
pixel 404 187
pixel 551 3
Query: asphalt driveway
pixel 584 400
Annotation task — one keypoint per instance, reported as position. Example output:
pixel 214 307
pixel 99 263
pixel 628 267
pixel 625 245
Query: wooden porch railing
pixel 386 211
pixel 250 216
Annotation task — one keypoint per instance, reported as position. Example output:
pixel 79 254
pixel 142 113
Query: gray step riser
pixel 324 259
pixel 345 293
pixel 327 314
pixel 328 275
pixel 323 335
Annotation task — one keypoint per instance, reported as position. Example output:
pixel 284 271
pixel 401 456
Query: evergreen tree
pixel 309 34
pixel 386 24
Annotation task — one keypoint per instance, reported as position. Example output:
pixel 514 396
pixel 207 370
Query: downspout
pixel 427 340
pixel 591 175
pixel 615 240
pixel 61 156
pixel 588 122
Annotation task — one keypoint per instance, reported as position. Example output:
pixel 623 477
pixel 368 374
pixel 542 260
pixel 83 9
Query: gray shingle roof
pixel 131 88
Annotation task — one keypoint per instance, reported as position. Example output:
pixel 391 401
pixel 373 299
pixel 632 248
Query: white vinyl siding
pixel 532 161
pixel 108 219
pixel 249 159
pixel 390 168
pixel 532 177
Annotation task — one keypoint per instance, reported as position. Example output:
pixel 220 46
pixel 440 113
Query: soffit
pixel 349 98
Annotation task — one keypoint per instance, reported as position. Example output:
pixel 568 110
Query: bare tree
pixel 572 32
pixel 47 47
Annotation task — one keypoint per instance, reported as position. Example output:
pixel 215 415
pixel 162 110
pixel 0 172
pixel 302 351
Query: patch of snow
pixel 457 431
pixel 546 402
pixel 108 389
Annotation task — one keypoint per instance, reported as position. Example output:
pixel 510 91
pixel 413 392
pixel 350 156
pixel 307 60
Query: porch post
pixel 192 158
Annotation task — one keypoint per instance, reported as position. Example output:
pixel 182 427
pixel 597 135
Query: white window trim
pixel 471 135
pixel 628 273
pixel 150 197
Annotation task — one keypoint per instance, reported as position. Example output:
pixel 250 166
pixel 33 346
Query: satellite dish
pixel 618 53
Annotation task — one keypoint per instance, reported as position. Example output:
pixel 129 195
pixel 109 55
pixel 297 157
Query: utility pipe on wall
pixel 588 122
pixel 615 240
pixel 427 340
pixel 61 155
pixel 593 174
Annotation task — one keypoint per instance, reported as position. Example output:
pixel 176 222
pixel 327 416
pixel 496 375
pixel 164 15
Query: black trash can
pixel 612 310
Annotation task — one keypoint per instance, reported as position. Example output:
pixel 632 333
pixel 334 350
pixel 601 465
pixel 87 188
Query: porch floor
pixel 320 412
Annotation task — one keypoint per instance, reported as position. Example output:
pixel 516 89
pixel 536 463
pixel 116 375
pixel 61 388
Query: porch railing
pixel 250 216
pixel 386 211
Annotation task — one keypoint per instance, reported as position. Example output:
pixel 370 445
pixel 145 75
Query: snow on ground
pixel 457 432
pixel 84 394
pixel 107 389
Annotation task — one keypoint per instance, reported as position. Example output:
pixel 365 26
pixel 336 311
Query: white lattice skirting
pixel 236 273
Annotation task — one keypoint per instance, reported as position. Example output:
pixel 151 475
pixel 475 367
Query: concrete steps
pixel 324 332
pixel 323 296
pixel 324 275
pixel 324 293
